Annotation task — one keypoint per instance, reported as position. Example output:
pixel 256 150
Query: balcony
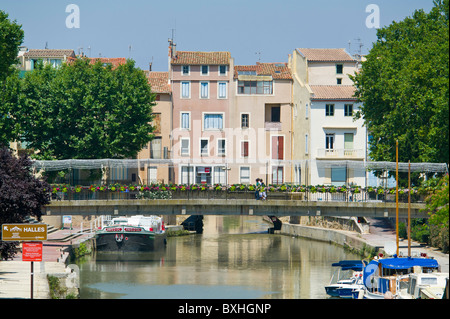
pixel 272 126
pixel 340 153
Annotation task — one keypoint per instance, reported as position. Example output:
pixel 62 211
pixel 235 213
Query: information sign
pixel 32 251
pixel 24 232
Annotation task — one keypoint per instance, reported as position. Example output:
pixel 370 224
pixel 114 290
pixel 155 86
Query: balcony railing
pixel 272 126
pixel 340 153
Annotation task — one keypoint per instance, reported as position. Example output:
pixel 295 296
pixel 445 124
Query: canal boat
pixel 346 278
pixel 133 234
pixel 382 277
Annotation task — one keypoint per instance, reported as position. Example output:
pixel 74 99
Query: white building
pixel 336 136
pixel 326 134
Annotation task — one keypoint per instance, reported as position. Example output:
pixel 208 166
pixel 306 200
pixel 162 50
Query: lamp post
pixel 226 169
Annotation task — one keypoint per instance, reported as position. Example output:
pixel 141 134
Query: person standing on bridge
pixel 257 188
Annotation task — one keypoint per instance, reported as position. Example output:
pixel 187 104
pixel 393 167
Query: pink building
pixel 200 83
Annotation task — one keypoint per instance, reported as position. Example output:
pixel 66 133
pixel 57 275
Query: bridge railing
pixel 301 193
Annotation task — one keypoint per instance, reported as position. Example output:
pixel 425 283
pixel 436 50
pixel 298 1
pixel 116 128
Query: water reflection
pixel 235 257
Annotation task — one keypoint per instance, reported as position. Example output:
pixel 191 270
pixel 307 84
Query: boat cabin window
pixel 412 286
pixel 429 281
pixel 119 221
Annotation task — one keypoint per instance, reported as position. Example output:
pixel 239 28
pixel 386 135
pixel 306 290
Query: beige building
pixel 260 118
pixel 55 57
pixel 160 147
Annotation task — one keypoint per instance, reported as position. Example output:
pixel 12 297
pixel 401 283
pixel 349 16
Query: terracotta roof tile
pixel 323 55
pixel 115 62
pixel 159 82
pixel 333 92
pixel 47 53
pixel 199 58
pixel 278 71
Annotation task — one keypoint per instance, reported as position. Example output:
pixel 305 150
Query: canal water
pixel 235 257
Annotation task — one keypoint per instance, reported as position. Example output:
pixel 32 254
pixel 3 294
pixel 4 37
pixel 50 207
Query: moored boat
pixel 422 286
pixel 382 277
pixel 346 278
pixel 134 234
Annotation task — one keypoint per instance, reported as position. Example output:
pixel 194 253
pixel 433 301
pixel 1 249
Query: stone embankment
pixel 372 241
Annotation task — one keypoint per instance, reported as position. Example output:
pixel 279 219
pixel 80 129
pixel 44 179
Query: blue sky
pixel 242 27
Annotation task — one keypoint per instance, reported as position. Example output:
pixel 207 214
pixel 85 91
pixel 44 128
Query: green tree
pixel 404 88
pixel 11 36
pixel 85 111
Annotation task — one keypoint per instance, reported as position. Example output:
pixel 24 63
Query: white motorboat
pixel 422 286
pixel 346 278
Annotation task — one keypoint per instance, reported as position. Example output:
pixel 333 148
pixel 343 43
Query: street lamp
pixel 226 168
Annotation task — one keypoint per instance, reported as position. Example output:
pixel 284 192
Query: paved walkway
pixel 381 232
pixel 15 275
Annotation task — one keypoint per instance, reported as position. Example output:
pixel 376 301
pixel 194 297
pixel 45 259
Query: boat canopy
pixel 409 262
pixel 356 265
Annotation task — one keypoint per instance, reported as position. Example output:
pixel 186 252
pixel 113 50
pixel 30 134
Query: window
pixel 186 70
pixel 222 69
pixel 255 87
pixel 55 63
pixel 339 68
pixel 275 114
pixel 329 110
pixel 204 151
pixel 185 90
pixel 155 148
pixel 338 81
pixel 244 149
pixel 221 147
pixel 277 175
pixel 204 90
pixel 213 122
pixel 185 120
pixel 219 175
pixel 278 147
pixel 338 175
pixel 187 175
pixel 205 69
pixel 348 109
pixel 348 141
pixel 244 173
pixel 245 120
pixel 184 147
pixel 222 90
pixel 329 141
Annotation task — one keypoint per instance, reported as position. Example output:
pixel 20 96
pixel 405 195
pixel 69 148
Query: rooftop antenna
pixel 129 51
pixel 349 46
pixel 46 45
pixel 360 45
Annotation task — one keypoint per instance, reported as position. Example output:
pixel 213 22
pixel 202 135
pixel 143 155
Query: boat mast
pixel 396 196
pixel 409 208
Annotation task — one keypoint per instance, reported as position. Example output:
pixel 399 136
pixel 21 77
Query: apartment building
pixel 260 118
pixel 200 83
pixel 326 133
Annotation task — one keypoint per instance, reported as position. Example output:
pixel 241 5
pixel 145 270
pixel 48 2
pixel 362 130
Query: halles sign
pixel 20 232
